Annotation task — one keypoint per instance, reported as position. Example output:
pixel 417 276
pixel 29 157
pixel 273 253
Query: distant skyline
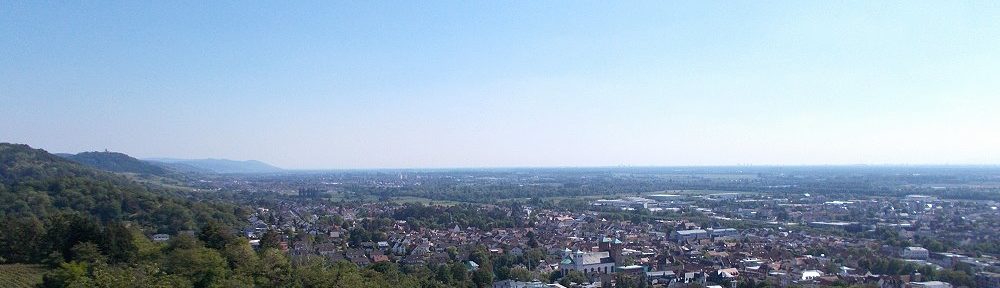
pixel 323 85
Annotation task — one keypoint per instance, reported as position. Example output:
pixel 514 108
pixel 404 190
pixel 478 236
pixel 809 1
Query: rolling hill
pixel 117 162
pixel 39 190
pixel 167 167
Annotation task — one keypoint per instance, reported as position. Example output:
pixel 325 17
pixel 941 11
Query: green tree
pixel 21 239
pixel 312 272
pixel 146 250
pixel 624 280
pixel 270 240
pixel 532 239
pixel 573 277
pixel 458 272
pixel 215 235
pixel 241 257
pixel 72 274
pixel 276 269
pixel 345 274
pixel 442 273
pixel 88 252
pixel 182 241
pixel 203 266
pixel 117 243
pixel 139 276
pixel 520 274
pixel 482 278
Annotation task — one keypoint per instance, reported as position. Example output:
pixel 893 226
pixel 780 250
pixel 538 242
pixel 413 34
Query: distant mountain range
pixel 122 163
pixel 215 165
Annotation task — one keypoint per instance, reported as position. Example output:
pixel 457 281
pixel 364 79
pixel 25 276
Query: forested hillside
pixel 35 184
pixel 49 204
pixel 90 228
pixel 118 162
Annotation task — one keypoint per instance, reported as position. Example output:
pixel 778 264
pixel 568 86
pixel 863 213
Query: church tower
pixel 614 248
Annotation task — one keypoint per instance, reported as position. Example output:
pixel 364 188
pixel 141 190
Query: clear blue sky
pixel 365 84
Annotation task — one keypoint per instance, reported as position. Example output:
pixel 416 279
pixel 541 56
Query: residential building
pixel 689 235
pixel 928 284
pixel 914 253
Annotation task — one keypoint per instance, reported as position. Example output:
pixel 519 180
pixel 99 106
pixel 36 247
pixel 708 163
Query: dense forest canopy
pixel 118 162
pixel 50 205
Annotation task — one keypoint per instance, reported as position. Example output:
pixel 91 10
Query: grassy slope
pixel 21 275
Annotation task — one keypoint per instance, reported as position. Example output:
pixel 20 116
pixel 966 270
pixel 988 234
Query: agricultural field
pixel 425 201
pixel 21 275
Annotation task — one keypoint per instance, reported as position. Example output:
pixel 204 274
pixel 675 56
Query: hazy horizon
pixel 738 165
pixel 387 85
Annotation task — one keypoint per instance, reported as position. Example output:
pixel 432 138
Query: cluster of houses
pixel 678 251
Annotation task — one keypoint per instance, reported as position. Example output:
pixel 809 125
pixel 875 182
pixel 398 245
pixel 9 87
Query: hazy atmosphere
pixel 394 84
pixel 500 144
